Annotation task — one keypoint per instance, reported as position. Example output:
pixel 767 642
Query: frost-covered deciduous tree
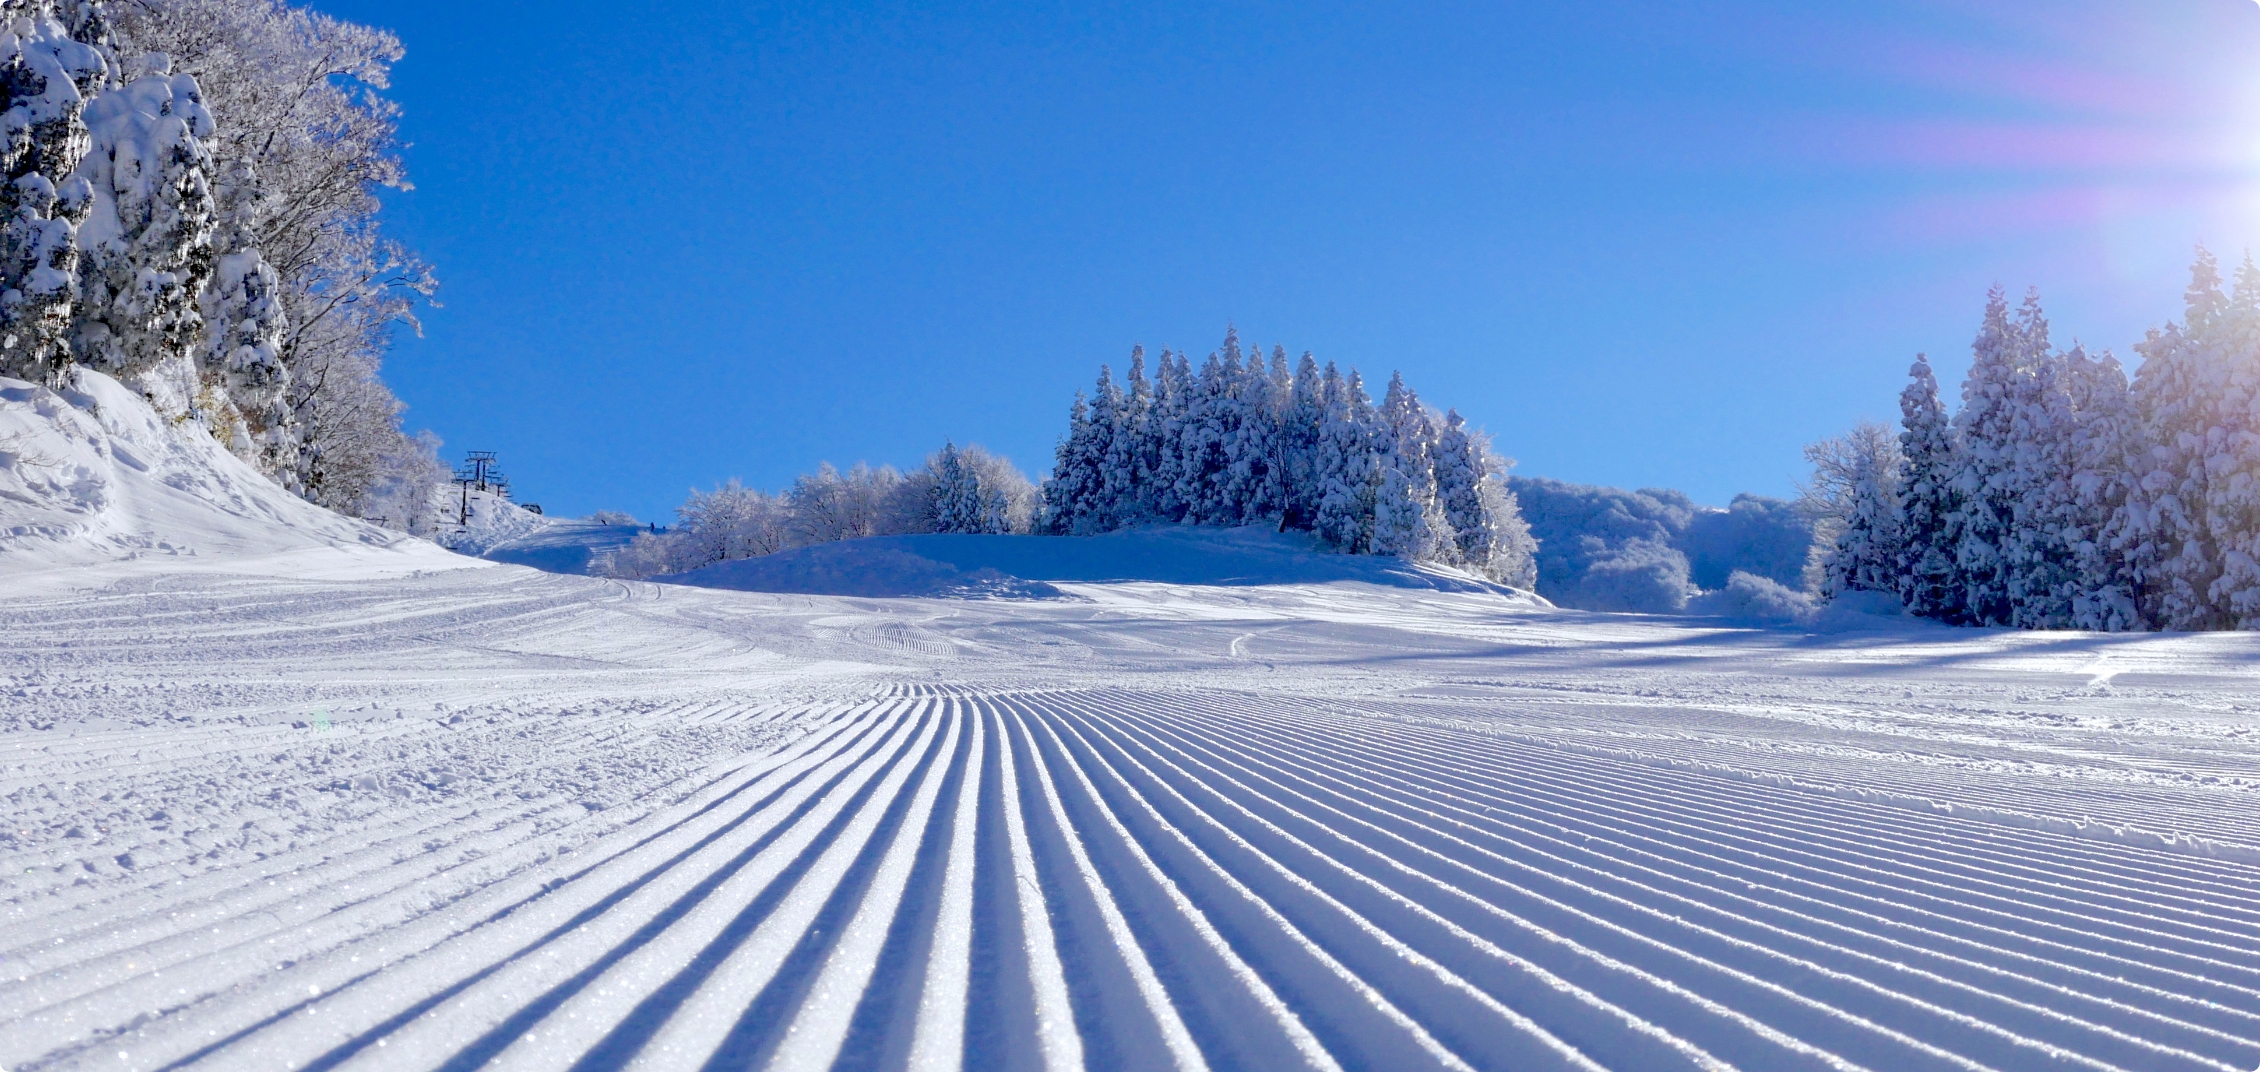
pixel 1854 498
pixel 1470 490
pixel 243 313
pixel 957 490
pixel 973 491
pixel 830 505
pixel 295 97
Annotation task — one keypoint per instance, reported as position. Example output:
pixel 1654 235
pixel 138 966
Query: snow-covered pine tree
pixel 1278 396
pixel 1067 495
pixel 2091 460
pixel 1105 492
pixel 1162 467
pixel 1986 427
pixel 1929 582
pixel 1201 444
pixel 1251 486
pixel 1345 466
pixel 2232 503
pixel 1406 519
pixel 145 247
pixel 2036 557
pixel 955 492
pixel 1299 422
pixel 1126 452
pixel 2171 551
pixel 46 77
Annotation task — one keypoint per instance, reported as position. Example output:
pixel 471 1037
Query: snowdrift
pixel 561 544
pixel 1026 567
pixel 93 473
pixel 505 532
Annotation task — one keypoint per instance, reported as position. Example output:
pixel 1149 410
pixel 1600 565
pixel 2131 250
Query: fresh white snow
pixel 309 799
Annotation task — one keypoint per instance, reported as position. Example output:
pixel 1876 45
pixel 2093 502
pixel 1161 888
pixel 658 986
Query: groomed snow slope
pixel 496 818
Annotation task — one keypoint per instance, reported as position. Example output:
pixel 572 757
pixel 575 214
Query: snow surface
pixel 92 474
pixel 294 806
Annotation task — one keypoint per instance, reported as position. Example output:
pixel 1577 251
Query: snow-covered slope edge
pixel 93 474
pixel 1031 567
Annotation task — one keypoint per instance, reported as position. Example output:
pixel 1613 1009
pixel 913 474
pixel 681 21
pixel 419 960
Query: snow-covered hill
pixel 489 526
pixel 92 474
pixel 1034 566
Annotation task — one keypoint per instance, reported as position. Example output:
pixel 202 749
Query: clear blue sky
pixel 1642 243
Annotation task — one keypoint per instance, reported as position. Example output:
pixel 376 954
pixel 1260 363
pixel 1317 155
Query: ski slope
pixel 493 818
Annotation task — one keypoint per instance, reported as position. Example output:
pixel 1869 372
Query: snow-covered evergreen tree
pixel 2090 486
pixel 975 492
pixel 46 77
pixel 1345 469
pixel 1251 440
pixel 1300 419
pixel 1930 500
pixel 1126 455
pixel 2232 503
pixel 146 245
pixel 1105 492
pixel 2173 557
pixel 1161 462
pixel 1406 519
pixel 1070 494
pixel 1986 427
pixel 2036 557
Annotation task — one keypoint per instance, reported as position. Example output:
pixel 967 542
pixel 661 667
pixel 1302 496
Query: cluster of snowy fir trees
pixel 1241 442
pixel 966 490
pixel 190 207
pixel 2062 495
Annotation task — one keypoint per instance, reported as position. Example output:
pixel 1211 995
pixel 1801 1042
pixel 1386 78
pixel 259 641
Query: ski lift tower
pixel 479 471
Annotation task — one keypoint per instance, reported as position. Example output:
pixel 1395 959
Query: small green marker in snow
pixel 322 720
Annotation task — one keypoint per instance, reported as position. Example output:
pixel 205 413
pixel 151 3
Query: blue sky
pixel 1642 243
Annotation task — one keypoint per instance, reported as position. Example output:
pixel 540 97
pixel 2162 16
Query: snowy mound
pixel 500 530
pixel 479 521
pixel 1024 566
pixel 555 544
pixel 93 474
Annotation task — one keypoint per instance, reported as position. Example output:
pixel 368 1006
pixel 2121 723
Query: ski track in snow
pixel 499 819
